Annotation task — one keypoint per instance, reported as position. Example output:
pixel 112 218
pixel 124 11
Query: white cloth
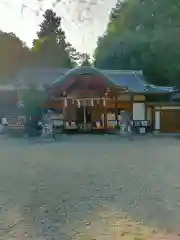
pixel 4 121
pixel 1 128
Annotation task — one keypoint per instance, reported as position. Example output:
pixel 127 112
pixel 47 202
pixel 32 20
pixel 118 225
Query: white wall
pixel 138 111
pixel 157 120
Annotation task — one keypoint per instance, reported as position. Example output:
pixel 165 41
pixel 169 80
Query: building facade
pixel 106 93
pixel 87 94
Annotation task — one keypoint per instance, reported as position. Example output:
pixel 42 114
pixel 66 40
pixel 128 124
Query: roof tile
pixel 134 80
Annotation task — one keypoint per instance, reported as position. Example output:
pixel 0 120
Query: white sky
pixel 81 33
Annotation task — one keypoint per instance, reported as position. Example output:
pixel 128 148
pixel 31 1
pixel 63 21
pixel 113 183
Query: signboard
pixel 125 97
pixel 141 123
pixel 141 126
pixel 139 98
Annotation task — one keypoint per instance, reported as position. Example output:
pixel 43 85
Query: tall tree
pixel 51 47
pixel 143 34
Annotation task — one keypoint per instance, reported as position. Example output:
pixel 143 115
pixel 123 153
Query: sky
pixel 82 20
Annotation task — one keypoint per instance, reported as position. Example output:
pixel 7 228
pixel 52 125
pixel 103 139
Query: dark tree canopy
pixel 143 34
pixel 86 61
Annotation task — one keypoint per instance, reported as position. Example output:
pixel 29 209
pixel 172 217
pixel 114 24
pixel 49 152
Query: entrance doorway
pixel 83 115
pixel 170 120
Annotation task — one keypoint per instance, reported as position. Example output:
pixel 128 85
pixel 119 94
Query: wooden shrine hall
pixel 94 98
pixel 88 99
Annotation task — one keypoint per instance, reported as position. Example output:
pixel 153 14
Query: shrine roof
pixel 82 70
pixel 134 80
pixel 176 97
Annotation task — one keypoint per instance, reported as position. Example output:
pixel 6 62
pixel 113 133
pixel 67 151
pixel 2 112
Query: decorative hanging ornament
pixel 107 92
pixel 104 102
pixel 65 102
pixel 92 103
pixel 64 94
pixel 78 103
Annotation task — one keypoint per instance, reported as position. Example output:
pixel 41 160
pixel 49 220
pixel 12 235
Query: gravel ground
pixel 84 187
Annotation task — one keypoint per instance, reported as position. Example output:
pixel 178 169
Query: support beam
pixel 116 110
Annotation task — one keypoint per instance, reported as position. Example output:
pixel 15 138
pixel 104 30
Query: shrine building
pixel 94 96
pixel 97 97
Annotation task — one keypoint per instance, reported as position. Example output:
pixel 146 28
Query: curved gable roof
pixel 52 77
pixel 83 70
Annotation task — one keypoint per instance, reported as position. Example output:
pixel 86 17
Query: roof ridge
pixel 143 82
pixel 84 70
pixel 120 71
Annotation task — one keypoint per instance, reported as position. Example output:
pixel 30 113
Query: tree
pixel 143 34
pixel 86 61
pixel 13 55
pixel 32 99
pixel 51 48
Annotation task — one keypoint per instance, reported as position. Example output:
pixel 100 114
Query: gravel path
pixel 58 190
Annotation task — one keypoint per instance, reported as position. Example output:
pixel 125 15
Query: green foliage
pixel 33 100
pixel 143 34
pixel 13 56
pixel 51 48
pixel 86 61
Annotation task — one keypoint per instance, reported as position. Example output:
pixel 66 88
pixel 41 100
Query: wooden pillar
pixel 116 110
pixel 132 101
pixel 64 109
pixel 84 111
pixel 105 117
